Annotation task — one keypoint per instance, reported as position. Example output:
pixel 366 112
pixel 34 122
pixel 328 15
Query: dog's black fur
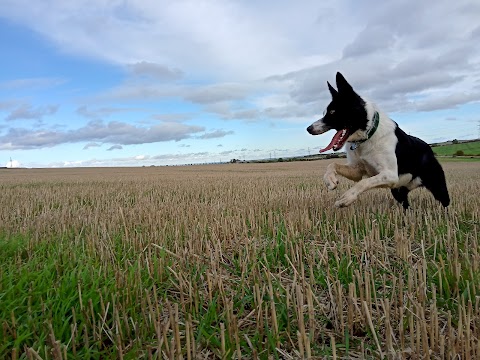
pixel 386 158
pixel 416 157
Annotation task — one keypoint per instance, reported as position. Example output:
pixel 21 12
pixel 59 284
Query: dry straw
pixel 238 261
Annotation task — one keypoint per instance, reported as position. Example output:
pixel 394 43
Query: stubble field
pixel 237 261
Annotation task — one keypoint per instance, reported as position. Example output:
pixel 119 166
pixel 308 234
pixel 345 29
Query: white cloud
pixel 28 112
pixel 215 134
pixel 103 112
pixel 220 38
pixel 216 93
pixel 13 164
pixel 448 102
pixel 113 132
pixel 173 117
pixel 91 145
pixel 388 49
pixel 156 71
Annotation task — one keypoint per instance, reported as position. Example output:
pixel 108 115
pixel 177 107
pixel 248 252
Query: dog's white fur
pixel 372 164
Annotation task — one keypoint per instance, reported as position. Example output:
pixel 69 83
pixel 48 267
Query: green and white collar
pixel 370 132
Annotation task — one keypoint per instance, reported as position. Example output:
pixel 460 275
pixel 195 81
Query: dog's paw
pixel 330 179
pixel 346 199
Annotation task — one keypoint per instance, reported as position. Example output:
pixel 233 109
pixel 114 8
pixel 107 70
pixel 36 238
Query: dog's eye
pixel 332 112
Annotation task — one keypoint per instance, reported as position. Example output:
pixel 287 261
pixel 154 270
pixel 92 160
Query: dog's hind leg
pixel 401 195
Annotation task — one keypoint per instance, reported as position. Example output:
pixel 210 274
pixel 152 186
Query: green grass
pixel 54 291
pixel 471 148
pixel 464 159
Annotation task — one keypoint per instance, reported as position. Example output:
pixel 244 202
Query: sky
pixel 158 82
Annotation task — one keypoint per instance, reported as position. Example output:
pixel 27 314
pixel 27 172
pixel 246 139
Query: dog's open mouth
pixel 338 140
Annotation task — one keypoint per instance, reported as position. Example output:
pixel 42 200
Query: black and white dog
pixel 379 153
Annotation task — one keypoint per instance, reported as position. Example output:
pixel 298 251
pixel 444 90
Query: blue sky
pixel 133 83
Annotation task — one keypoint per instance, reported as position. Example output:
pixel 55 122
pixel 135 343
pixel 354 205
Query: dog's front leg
pixel 351 172
pixel 383 179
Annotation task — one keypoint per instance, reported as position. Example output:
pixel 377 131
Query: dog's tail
pixel 433 178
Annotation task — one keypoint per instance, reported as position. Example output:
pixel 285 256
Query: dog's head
pixel 346 114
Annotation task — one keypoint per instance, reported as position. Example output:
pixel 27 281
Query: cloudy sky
pixel 158 82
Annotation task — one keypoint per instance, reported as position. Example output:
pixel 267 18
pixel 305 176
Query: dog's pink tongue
pixel 333 142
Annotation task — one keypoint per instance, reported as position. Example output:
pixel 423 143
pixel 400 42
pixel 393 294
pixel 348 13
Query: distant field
pixel 471 148
pixel 464 159
pixel 234 261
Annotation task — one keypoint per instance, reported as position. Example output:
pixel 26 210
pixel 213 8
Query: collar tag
pixel 353 146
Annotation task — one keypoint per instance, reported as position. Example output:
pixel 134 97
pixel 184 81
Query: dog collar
pixel 370 132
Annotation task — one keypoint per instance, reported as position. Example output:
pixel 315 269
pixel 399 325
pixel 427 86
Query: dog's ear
pixel 342 85
pixel 332 90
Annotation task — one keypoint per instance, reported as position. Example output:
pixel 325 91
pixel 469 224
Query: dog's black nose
pixel 310 129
